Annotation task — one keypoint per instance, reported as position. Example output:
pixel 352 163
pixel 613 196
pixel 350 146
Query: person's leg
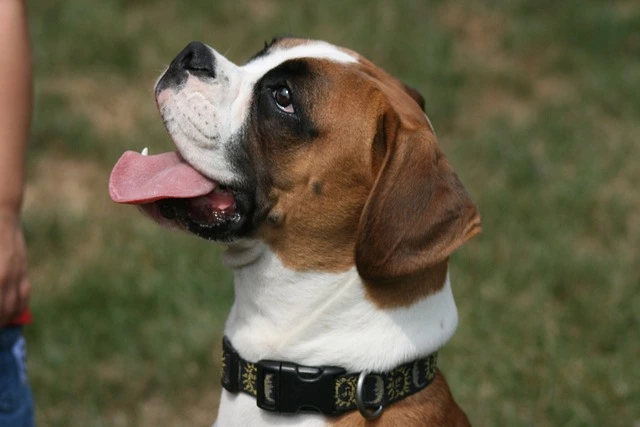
pixel 16 402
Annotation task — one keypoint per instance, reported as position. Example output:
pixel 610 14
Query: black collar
pixel 290 388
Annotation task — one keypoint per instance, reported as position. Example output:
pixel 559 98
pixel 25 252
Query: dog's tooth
pixel 145 151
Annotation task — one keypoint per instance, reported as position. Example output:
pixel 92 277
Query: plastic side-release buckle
pixel 289 387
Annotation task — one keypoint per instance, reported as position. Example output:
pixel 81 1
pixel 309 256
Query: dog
pixel 321 175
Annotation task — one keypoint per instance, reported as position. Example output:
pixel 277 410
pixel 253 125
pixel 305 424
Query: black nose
pixel 196 58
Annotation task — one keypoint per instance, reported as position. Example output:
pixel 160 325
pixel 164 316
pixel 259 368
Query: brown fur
pixel 402 293
pixel 417 214
pixel 319 188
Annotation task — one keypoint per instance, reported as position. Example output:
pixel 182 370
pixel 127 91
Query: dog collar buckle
pixel 289 387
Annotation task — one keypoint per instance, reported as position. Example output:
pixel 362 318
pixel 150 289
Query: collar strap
pixel 288 387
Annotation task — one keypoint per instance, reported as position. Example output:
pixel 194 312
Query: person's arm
pixel 15 116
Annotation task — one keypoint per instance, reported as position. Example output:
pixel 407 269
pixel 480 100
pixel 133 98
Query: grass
pixel 537 105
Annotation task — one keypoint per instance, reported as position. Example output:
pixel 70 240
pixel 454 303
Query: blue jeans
pixel 16 402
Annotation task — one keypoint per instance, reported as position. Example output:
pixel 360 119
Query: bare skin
pixel 16 93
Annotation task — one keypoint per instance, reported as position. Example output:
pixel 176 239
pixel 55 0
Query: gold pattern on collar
pixel 431 365
pixel 345 392
pixel 398 382
pixel 249 378
pixel 223 362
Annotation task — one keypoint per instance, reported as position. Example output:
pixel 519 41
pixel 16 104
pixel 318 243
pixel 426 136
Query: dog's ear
pixel 413 93
pixel 416 96
pixel 417 212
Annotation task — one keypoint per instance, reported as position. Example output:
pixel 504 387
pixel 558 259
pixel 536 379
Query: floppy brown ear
pixel 417 212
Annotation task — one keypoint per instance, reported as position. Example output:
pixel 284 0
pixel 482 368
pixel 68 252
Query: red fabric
pixel 23 319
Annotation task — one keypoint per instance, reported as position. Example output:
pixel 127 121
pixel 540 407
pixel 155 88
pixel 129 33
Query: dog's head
pixel 308 147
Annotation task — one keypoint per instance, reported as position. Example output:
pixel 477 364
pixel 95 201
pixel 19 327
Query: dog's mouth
pixel 169 189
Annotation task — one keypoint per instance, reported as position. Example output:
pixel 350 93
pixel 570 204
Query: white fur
pixel 316 318
pixel 240 410
pixel 315 49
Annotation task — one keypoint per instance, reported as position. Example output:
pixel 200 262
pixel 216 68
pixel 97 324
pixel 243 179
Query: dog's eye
pixel 282 96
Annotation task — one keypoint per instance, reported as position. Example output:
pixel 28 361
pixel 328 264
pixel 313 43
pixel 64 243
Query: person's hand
pixel 14 281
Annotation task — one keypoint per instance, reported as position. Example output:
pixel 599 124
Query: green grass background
pixel 536 103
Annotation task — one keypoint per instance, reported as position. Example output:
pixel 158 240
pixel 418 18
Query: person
pixel 16 403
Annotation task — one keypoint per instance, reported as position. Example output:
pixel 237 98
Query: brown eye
pixel 282 96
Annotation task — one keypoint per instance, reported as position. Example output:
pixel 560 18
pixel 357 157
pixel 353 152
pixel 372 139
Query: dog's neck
pixel 317 318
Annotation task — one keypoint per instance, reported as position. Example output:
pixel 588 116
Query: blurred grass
pixel 537 104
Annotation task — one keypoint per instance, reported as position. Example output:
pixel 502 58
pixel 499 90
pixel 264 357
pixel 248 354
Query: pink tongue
pixel 139 179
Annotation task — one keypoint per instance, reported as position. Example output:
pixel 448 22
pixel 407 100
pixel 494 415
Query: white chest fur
pixel 317 318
